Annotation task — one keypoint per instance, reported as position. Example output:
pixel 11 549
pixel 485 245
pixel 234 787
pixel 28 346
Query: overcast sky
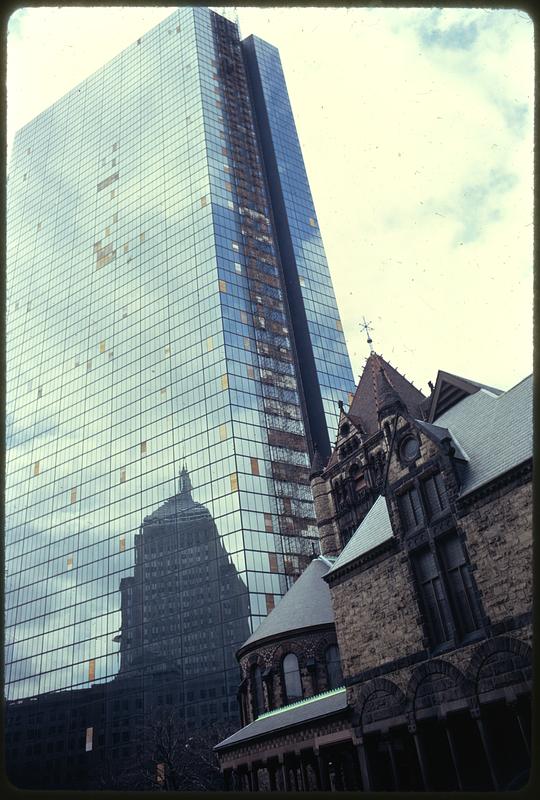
pixel 416 127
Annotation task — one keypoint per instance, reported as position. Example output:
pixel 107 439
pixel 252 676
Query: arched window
pixel 291 675
pixel 257 692
pixel 333 667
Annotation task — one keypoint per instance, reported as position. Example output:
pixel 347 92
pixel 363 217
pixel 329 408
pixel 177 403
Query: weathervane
pixel 367 327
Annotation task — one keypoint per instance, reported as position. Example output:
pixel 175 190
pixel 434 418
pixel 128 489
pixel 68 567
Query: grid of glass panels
pixel 139 339
pixel 325 329
pixel 147 332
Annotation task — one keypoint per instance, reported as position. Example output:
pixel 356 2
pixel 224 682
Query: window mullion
pixel 446 602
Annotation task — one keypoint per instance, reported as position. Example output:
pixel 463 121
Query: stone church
pixel 401 657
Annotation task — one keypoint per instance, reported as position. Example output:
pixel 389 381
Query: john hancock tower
pixel 169 303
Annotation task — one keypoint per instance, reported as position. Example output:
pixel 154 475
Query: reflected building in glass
pixel 168 301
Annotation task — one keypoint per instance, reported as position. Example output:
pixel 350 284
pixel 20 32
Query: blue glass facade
pixel 324 360
pixel 149 327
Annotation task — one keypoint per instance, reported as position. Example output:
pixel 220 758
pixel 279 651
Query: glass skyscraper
pixel 175 354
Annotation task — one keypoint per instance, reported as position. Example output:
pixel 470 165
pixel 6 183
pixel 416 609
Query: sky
pixel 417 131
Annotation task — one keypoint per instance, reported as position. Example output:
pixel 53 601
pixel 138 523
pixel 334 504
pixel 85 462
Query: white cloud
pixel 416 126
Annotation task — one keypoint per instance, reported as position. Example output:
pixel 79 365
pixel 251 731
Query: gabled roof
pixel 374 529
pixel 366 400
pixel 495 431
pixel 306 604
pixel 439 435
pixel 491 433
pixel 297 713
pixel 344 416
pixel 449 389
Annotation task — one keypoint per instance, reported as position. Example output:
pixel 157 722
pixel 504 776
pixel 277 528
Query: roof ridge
pixel 303 702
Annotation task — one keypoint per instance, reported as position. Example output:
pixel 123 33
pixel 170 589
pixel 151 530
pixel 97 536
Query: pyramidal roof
pixel 306 604
pixel 367 400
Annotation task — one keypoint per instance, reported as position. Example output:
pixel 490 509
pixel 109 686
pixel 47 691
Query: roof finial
pixel 367 327
pixel 184 482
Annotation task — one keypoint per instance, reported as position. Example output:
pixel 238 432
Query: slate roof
pixel 450 389
pixel 366 399
pixel 440 434
pixel 494 430
pixel 374 529
pixel 306 604
pixel 297 713
pixel 492 433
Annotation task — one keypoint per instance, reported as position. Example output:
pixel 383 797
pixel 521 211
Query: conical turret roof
pixel 380 383
pixel 306 604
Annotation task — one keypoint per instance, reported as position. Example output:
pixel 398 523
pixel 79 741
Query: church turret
pixel 388 400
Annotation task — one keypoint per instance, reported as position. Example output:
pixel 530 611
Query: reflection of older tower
pixel 185 609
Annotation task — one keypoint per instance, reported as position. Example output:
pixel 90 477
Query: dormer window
pixel 345 429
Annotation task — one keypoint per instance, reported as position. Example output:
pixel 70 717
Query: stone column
pixel 514 707
pixel 236 784
pixel 248 778
pixel 421 754
pixel 390 750
pixel 284 774
pixel 254 777
pixel 364 766
pixel 323 771
pixel 303 772
pixel 475 712
pixel 316 769
pixel 271 767
pixel 453 753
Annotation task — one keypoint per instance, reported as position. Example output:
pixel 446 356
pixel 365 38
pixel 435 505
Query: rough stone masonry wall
pixel 377 616
pixel 306 646
pixel 325 511
pixel 499 541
